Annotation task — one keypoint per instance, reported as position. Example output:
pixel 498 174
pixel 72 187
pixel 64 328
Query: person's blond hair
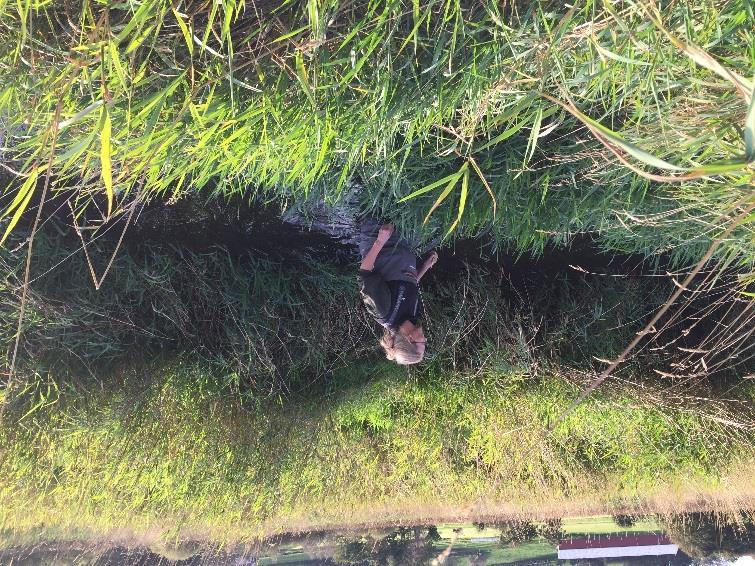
pixel 399 349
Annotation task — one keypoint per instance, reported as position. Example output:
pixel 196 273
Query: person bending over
pixel 388 283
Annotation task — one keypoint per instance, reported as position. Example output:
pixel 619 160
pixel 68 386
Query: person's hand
pixel 432 259
pixel 385 233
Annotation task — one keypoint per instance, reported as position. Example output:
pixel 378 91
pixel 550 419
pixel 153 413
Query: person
pixel 389 285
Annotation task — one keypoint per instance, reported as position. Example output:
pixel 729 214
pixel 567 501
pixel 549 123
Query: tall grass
pixel 530 121
pixel 274 333
pixel 292 100
pixel 166 449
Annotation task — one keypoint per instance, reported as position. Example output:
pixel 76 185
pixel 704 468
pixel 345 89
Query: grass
pixel 165 448
pixel 529 122
pixel 289 102
pixel 275 333
pixel 220 442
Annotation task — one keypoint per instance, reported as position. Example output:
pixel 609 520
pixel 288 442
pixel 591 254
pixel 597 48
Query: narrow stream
pixel 681 540
pixel 248 229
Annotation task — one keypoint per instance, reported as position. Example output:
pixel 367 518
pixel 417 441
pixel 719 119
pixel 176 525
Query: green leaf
pixel 136 42
pixel 616 57
pixel 728 166
pixel 301 74
pixel 115 58
pixel 750 132
pixel 290 34
pixel 412 36
pixel 514 111
pixel 323 151
pixel 208 28
pixel 66 159
pixel 532 142
pixel 633 150
pixel 446 191
pixel 106 165
pixel 429 187
pixel 27 185
pixel 503 135
pixel 141 15
pixel 314 17
pixel 80 114
pixel 184 31
pixel 20 202
pixel 462 200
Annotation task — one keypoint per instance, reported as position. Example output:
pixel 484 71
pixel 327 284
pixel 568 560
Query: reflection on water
pixel 697 538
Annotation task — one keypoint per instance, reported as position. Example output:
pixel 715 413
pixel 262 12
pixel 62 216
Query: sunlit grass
pixel 292 100
pixel 165 448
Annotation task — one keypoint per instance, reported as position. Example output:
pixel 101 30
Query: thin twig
pixel 98 282
pixel 27 270
pixel 650 325
pixel 13 171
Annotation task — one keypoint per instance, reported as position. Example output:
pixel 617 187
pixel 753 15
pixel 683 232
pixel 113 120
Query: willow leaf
pixel 462 199
pixel 430 187
pixel 106 165
pixel 137 41
pixel 446 191
pixel 184 31
pixel 750 132
pixel 636 152
pixel 20 203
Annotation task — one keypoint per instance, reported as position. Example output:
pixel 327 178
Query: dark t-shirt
pixel 406 302
pixel 390 302
pixel 396 260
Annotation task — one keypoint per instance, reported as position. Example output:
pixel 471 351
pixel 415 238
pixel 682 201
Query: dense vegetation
pixel 289 101
pixel 213 386
pixel 228 399
pixel 166 447
pixel 288 319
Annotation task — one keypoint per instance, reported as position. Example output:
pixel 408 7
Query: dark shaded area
pixel 241 228
pixel 704 534
pixel 567 275
pixel 244 228
pixel 232 283
pixel 203 224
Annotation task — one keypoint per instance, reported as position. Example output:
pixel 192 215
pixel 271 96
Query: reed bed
pixel 627 120
pixel 521 119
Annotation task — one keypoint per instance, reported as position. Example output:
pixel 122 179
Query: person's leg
pixel 368 229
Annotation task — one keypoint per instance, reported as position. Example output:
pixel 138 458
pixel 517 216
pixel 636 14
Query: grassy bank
pixel 233 393
pixel 272 409
pixel 164 448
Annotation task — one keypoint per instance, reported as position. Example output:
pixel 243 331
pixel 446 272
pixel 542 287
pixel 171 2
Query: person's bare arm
pixel 431 260
pixel 384 234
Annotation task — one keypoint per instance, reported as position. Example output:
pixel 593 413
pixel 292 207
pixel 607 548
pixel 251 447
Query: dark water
pixel 255 229
pixel 697 538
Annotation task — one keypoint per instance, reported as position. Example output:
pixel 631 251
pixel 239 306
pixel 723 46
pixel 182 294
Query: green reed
pixel 520 105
